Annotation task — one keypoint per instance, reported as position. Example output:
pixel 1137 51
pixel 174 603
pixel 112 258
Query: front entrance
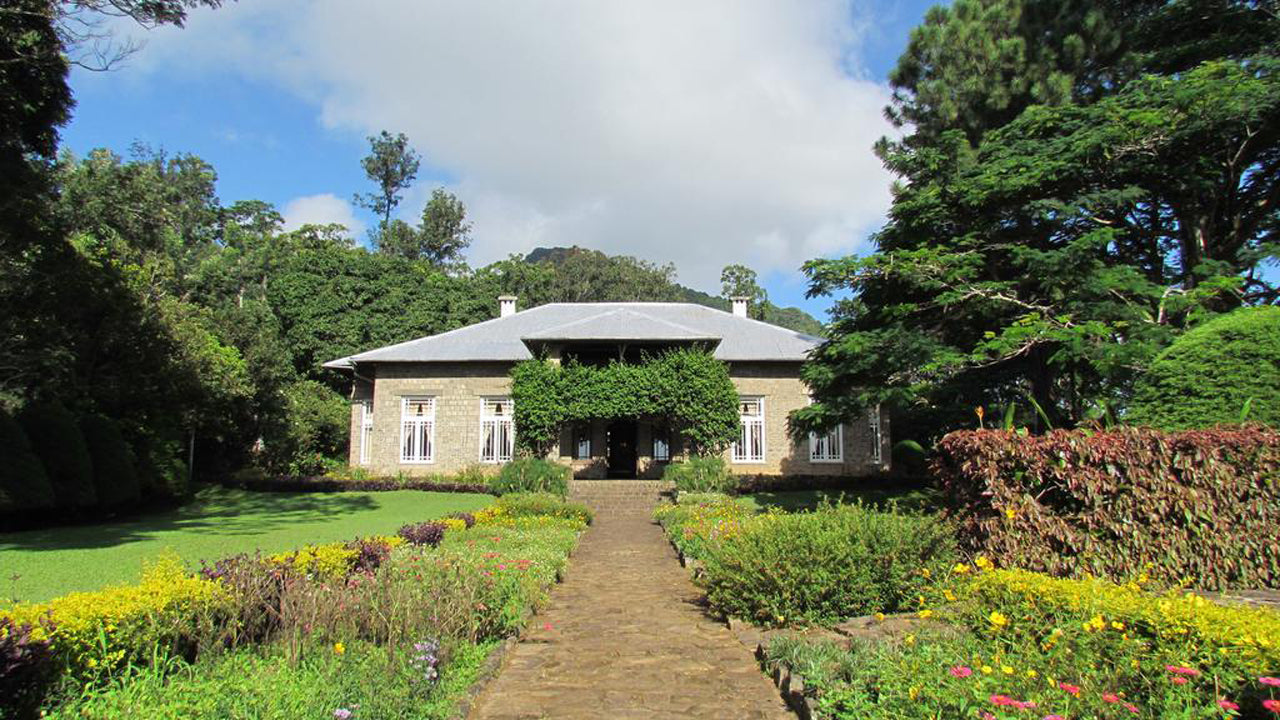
pixel 620 444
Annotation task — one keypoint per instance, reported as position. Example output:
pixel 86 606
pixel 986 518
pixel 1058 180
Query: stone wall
pixel 459 389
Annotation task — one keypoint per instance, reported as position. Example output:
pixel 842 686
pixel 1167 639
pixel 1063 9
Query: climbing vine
pixel 687 387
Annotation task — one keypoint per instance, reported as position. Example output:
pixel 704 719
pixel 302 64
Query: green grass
pixel 796 500
pixel 41 564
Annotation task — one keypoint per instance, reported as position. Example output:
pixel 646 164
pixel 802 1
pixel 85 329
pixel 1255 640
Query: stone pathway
pixel 624 638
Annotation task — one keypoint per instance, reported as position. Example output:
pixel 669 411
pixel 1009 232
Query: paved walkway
pixel 624 638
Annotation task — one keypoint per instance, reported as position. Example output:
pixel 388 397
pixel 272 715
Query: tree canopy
pixel 1079 183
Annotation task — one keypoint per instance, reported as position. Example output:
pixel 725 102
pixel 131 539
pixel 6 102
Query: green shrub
pixel 699 519
pixel 530 474
pixel 314 433
pixel 1206 377
pixel 1198 504
pixel 58 442
pixel 161 470
pixel 701 474
pixel 114 475
pixel 24 486
pixel 541 503
pixel 826 565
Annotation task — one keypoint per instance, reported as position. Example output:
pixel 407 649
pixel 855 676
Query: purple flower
pixel 342 714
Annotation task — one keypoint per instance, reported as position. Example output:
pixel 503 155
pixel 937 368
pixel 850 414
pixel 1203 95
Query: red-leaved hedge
pixel 1199 507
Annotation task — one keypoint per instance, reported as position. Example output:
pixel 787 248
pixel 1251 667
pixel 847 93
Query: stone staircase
pixel 620 497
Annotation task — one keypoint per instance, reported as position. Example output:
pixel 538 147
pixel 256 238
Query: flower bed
pixel 384 594
pixel 1035 646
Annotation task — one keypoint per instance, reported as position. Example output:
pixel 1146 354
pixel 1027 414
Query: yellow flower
pixel 1006 669
pixel 339 648
pixel 950 596
pixel 925 613
pixel 1032 673
pixel 986 669
pixel 1117 624
pixel 914 692
pixel 1009 512
pixel 924 572
pixel 879 617
pixel 910 640
pixel 983 563
pixel 998 619
pixel 960 569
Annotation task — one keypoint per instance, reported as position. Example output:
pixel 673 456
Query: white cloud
pixel 320 210
pixel 702 133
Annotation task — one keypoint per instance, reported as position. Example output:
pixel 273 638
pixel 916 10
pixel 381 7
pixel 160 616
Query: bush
pixel 700 519
pixel 427 533
pixel 528 474
pixel 161 470
pixel 26 670
pixel 532 504
pixel 114 476
pixel 1206 376
pixel 24 486
pixel 701 474
pixel 1196 506
pixel 57 441
pixel 313 433
pixel 824 566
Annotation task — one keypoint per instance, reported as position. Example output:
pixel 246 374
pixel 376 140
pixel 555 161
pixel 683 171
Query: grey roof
pixel 504 338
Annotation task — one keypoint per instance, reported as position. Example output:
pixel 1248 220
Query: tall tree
pixel 392 166
pixel 741 281
pixel 1080 182
pixel 445 231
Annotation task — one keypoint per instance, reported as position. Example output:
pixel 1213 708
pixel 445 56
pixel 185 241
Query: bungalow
pixel 442 403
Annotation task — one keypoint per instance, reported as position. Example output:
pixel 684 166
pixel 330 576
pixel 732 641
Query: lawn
pixel 795 500
pixel 41 564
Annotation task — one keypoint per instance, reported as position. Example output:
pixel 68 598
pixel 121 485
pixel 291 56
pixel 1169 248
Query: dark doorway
pixel 620 439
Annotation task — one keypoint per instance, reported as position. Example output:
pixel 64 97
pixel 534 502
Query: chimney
pixel 739 305
pixel 506 305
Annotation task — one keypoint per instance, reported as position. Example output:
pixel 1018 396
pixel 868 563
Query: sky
pixel 703 134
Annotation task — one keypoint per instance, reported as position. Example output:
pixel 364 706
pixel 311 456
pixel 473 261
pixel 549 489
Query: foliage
pixel 687 386
pixel 115 478
pixel 699 520
pixel 391 165
pixel 59 444
pixel 26 668
pixel 1052 231
pixel 701 474
pixel 856 561
pixel 532 504
pixel 531 474
pixel 24 486
pixel 316 423
pixel 1207 376
pixel 740 281
pixel 1194 506
pixel 427 533
pixel 1066 648
pixel 94 634
pixel 330 561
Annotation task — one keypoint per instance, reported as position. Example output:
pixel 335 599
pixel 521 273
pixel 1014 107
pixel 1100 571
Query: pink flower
pixel 1179 670
pixel 1110 697
pixel 987 716
pixel 1272 681
pixel 1227 704
pixel 1272 705
pixel 1069 689
pixel 961 671
pixel 546 626
pixel 1003 700
pixel 1131 708
pixel 1180 680
pixel 1054 717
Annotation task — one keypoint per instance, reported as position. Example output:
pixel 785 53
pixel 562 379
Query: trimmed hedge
pixel 1206 376
pixel 114 477
pixel 324 483
pixel 59 444
pixel 1198 506
pixel 24 486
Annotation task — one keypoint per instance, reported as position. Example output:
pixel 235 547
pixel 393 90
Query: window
pixel 582 442
pixel 874 456
pixel 827 447
pixel 661 445
pixel 417 429
pixel 750 445
pixel 497 433
pixel 366 429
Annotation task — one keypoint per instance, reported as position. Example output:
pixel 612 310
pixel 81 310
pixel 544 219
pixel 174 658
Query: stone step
pixel 619 496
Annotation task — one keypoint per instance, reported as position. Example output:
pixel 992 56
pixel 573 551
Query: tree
pixel 740 281
pixel 392 166
pixel 1214 373
pixel 57 441
pixel 24 486
pixel 1080 185
pixel 445 230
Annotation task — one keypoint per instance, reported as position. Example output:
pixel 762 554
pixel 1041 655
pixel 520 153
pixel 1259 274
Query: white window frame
pixel 750 425
pixel 581 438
pixel 366 430
pixel 502 427
pixel 410 444
pixel 661 438
pixel 876 454
pixel 828 447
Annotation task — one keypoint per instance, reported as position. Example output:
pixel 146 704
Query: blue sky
pixel 733 132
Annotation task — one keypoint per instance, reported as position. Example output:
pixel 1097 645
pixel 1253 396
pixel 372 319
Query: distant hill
pixel 662 288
